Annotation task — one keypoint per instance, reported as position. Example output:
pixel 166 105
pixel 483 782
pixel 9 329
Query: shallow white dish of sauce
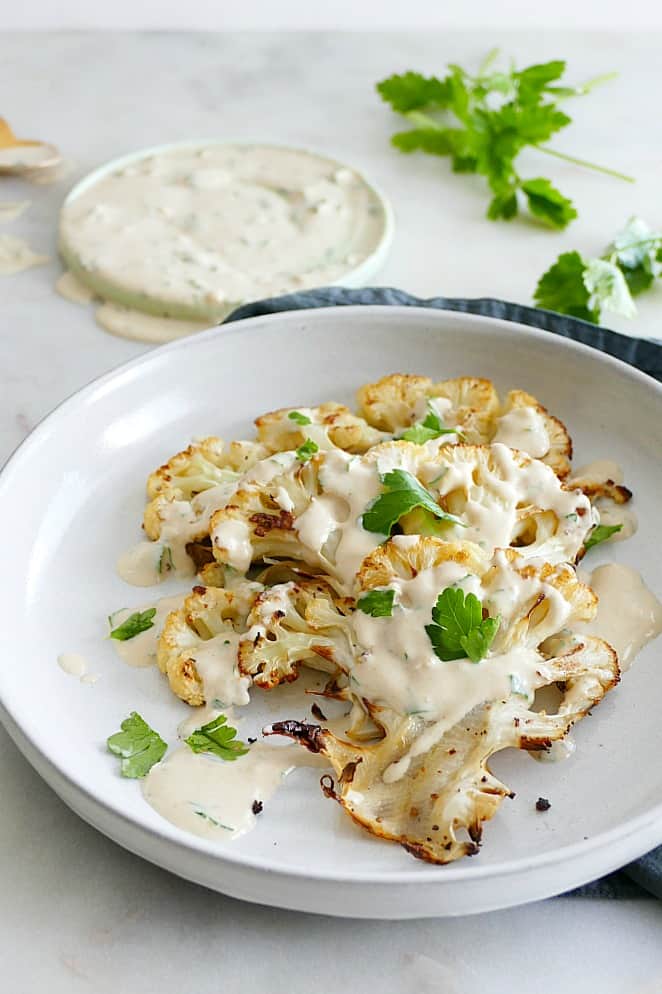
pixel 189 231
pixel 59 585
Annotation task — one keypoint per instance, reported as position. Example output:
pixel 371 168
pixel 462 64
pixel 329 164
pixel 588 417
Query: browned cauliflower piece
pixel 525 424
pixel 328 425
pixel 426 781
pixel 437 809
pixel 293 623
pixel 197 649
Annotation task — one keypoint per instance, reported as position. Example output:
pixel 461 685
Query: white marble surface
pixel 76 912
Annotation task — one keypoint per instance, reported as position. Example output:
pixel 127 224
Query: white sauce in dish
pixel 16 255
pixel 629 614
pixel 216 662
pixel 214 798
pixel 523 428
pixel 189 232
pixel 141 649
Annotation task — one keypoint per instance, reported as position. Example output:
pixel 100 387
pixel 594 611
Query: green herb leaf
pixel 483 122
pixel 136 623
pixel 431 427
pixel 600 534
pixel 562 288
pixel 546 203
pixel 301 419
pixel 165 560
pixel 377 603
pixel 403 494
pixel 411 91
pixel 307 450
pixel 138 746
pixel 218 738
pixel 606 284
pixel 460 630
pixel 638 278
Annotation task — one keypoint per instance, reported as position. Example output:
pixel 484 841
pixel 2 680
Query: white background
pixel 225 15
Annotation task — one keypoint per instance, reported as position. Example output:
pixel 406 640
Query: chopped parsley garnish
pixel 460 630
pixel 403 494
pixel 600 534
pixel 165 560
pixel 518 686
pixel 218 738
pixel 307 450
pixel 377 603
pixel 138 746
pixel 301 419
pixel 430 427
pixel 136 623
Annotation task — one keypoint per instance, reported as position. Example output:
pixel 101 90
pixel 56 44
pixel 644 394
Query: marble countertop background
pixel 76 912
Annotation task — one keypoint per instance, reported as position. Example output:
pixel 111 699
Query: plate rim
pixel 601 842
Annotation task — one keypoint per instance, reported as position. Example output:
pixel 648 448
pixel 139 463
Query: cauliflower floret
pixel 328 425
pixel 293 623
pixel 437 809
pixel 425 781
pixel 527 425
pixel 197 649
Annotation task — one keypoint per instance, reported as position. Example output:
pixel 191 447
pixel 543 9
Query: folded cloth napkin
pixel 645 355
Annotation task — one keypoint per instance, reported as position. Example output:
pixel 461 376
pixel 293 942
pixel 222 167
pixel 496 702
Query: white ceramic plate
pixel 71 499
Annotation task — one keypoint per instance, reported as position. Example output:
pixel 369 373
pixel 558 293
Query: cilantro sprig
pixel 402 494
pixel 482 122
pixel 600 533
pixel 377 603
pixel 459 628
pixel 429 428
pixel 138 746
pixel 140 621
pixel 218 738
pixel 585 287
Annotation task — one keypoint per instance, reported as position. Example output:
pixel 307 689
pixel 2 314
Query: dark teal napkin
pixel 645 355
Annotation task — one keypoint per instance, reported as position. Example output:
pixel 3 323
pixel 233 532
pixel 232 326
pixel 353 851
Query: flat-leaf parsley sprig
pixel 483 122
pixel 584 288
pixel 460 631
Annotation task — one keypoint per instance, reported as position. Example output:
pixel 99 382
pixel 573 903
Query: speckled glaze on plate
pixel 73 494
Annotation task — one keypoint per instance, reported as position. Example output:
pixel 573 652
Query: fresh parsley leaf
pixel 483 122
pixel 562 288
pixel 638 278
pixel 138 746
pixel 377 603
pixel 136 623
pixel 546 203
pixel 307 450
pixel 301 419
pixel 430 427
pixel 218 738
pixel 403 494
pixel 460 630
pixel 608 289
pixel 411 91
pixel 600 534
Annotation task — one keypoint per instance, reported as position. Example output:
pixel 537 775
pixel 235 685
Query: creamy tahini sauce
pixel 16 255
pixel 216 662
pixel 524 428
pixel 141 565
pixel 629 615
pixel 72 289
pixel 73 663
pixel 127 322
pixel 190 232
pixel 494 502
pixel 397 666
pixel 214 798
pixel 141 649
